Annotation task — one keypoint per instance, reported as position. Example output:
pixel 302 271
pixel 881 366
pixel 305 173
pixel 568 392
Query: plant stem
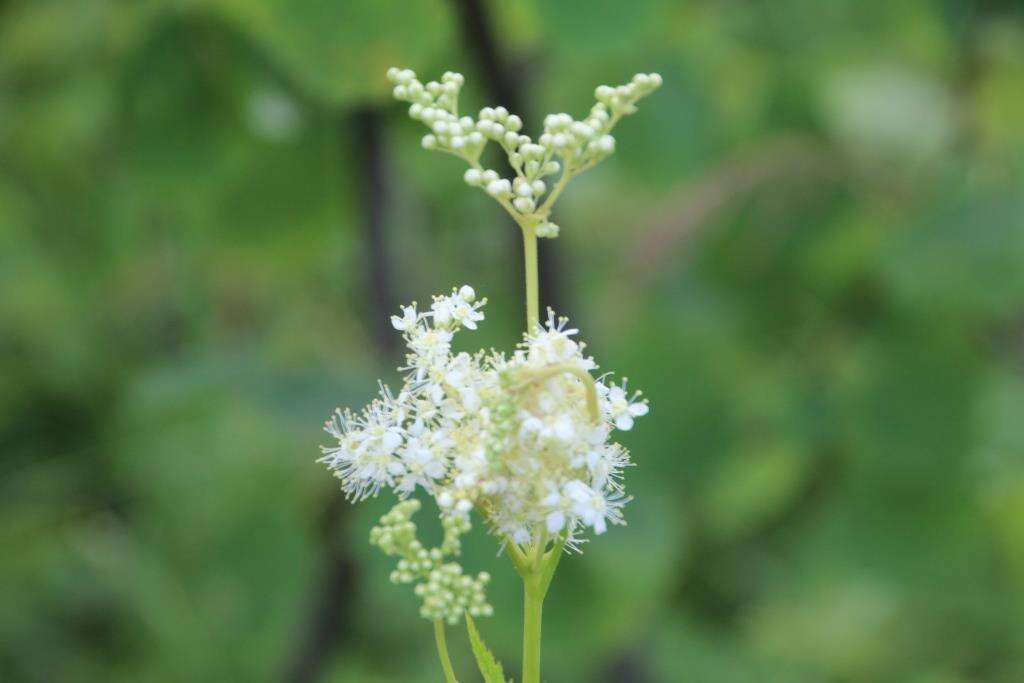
pixel 550 563
pixel 545 208
pixel 442 652
pixel 532 283
pixel 533 605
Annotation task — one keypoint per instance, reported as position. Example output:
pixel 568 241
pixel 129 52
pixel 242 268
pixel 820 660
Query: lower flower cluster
pixel 445 591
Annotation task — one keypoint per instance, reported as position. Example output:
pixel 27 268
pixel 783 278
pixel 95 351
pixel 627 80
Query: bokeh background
pixel 809 252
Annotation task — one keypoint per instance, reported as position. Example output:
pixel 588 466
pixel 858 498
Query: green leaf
pixel 337 52
pixel 488 665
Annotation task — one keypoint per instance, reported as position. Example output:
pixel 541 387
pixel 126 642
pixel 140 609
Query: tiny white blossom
pixel 623 409
pixel 408 319
pixel 594 508
pixel 466 315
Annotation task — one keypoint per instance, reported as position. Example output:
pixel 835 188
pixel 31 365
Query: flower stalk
pixel 536 583
pixel 533 591
pixel 442 651
pixel 532 280
pixel 533 608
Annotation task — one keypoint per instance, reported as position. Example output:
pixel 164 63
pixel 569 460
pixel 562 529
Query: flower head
pixel 524 439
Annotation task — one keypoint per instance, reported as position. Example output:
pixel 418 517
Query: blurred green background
pixel 809 252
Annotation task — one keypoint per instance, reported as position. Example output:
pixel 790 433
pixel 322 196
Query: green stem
pixel 536 582
pixel 532 283
pixel 519 560
pixel 545 208
pixel 442 652
pixel 533 605
pixel 550 563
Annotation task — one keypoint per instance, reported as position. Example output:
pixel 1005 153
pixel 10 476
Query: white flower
pixel 430 344
pixel 554 344
pixel 559 504
pixel 442 310
pixel 622 408
pixel 458 309
pixel 509 435
pixel 594 508
pixel 466 315
pixel 365 458
pixel 408 319
pixel 423 458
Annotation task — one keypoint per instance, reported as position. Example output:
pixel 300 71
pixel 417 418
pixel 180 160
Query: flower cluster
pixel 445 591
pixel 566 148
pixel 524 439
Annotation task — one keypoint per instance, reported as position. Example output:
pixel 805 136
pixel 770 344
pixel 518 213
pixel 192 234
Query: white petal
pixel 556 520
pixel 638 409
pixel 391 440
pixel 564 429
pixel 578 491
pixel 624 422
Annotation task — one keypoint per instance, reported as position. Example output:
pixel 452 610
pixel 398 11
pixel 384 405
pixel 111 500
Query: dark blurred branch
pixel 330 613
pixel 627 668
pixel 495 71
pixel 478 37
pixel 368 166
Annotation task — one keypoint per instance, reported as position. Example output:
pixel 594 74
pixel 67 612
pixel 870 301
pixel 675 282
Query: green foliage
pixel 830 485
pixel 489 667
pixel 336 51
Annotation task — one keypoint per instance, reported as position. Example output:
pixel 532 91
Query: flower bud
pixel 523 204
pixel 499 189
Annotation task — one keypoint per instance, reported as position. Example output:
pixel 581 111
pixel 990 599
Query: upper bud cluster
pixel 622 99
pixel 566 148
